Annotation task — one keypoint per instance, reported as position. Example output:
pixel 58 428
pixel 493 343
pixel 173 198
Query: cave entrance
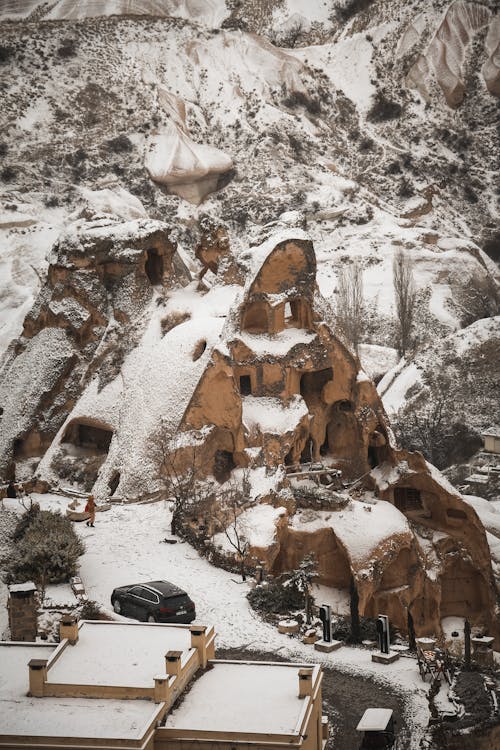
pixel 154 266
pixel 297 314
pixel 312 383
pixel 342 432
pixel 245 385
pixel 90 436
pixel 256 317
pixel 223 465
pixel 307 452
pixel 113 483
pixel 407 499
pixel 377 447
pixel 19 448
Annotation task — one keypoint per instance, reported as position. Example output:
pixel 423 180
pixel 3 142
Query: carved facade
pixel 256 382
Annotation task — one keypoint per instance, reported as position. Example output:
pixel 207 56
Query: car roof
pixel 165 588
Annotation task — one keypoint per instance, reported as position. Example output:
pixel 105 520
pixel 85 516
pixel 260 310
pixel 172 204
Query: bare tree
pixel 228 509
pixel 350 303
pixel 405 294
pixel 183 484
pixel 477 297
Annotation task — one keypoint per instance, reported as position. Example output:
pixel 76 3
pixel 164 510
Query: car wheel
pixel 117 606
pixel 151 618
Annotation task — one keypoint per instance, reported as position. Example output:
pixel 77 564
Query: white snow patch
pixel 377 360
pixel 115 200
pixel 257 526
pixel 271 415
pixel 361 528
pixel 394 397
pixel 278 344
pixel 441 295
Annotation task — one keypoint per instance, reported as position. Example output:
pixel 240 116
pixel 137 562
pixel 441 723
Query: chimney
pixel 199 642
pixel 173 662
pixel 22 606
pixel 38 676
pixel 162 688
pixel 68 628
pixel 305 682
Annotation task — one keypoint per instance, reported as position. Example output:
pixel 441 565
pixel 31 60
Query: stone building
pixel 126 685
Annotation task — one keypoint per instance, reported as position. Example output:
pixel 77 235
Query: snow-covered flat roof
pixel 374 720
pixel 492 431
pixel 118 654
pixel 62 717
pixel 237 697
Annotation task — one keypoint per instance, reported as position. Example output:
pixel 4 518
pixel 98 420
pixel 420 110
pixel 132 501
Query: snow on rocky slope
pixel 337 110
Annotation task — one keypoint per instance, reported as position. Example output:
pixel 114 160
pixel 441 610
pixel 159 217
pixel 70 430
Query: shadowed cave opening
pixel 113 483
pixel 245 385
pixel 88 436
pixel 407 499
pixel 312 383
pixel 154 266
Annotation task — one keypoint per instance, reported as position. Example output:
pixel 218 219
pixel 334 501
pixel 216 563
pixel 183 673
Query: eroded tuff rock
pixel 248 385
pixel 101 271
pixel 445 56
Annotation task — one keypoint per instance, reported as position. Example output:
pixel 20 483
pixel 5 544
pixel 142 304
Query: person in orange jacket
pixel 90 508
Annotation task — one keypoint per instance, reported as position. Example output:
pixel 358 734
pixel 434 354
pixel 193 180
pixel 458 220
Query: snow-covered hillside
pixel 350 114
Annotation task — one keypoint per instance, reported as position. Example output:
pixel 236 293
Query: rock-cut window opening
pixel 154 266
pixel 407 499
pixel 256 317
pixel 296 314
pixel 245 385
pixel 312 383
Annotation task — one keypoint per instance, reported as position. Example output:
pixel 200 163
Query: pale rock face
pixel 491 68
pixel 188 169
pixel 114 201
pixel 202 11
pixel 445 56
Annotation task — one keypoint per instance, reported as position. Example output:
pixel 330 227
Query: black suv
pixel 156 601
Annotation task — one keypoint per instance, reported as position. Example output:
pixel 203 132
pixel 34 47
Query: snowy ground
pixel 126 547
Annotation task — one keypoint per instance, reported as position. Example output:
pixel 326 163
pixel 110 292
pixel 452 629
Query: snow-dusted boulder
pixel 188 169
pixel 114 200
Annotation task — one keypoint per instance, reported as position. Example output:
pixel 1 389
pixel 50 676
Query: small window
pixel 245 385
pixel 150 596
pixel 407 499
pixel 136 591
pixel 143 593
pixel 456 513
